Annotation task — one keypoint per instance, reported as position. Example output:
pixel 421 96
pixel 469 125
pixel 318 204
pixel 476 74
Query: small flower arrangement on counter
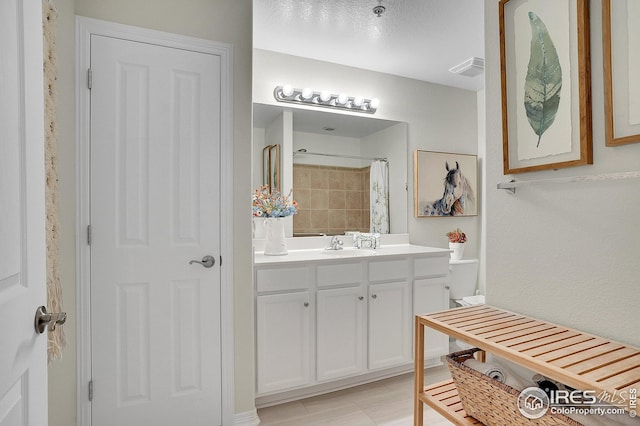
pixel 267 202
pixel 457 236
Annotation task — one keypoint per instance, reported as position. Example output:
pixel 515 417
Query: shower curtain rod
pixel 355 157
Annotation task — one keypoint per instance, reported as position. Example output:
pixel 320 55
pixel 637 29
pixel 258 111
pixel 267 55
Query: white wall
pixel 440 118
pixel 566 253
pixel 341 145
pixel 218 20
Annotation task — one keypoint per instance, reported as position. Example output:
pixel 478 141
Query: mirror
pixel 326 159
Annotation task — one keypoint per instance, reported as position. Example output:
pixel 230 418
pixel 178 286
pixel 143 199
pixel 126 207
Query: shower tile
pixel 353 200
pixel 319 220
pixel 319 179
pixel 353 181
pixel 301 177
pixel 302 221
pixel 337 219
pixel 302 197
pixel 336 200
pixel 354 219
pixel 336 179
pixel 319 199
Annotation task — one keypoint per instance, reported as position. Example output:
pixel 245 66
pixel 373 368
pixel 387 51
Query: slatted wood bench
pixel 577 359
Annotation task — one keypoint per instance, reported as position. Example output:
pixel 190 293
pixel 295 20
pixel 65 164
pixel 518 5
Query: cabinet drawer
pixel 388 270
pixel 339 274
pixel 282 279
pixel 431 266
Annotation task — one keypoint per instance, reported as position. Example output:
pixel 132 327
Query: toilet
pixel 464 276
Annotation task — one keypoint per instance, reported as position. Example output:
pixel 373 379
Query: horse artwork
pixel 458 195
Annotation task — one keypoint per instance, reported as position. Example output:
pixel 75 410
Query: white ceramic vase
pixel 458 250
pixel 274 243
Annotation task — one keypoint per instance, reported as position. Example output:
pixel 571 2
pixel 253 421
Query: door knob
pixel 44 318
pixel 207 261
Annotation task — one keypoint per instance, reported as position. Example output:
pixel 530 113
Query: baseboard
pixel 248 418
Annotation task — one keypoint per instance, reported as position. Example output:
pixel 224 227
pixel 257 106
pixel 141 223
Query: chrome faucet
pixel 335 244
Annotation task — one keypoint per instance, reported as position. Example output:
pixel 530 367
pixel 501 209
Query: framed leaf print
pixel 621 54
pixel 546 84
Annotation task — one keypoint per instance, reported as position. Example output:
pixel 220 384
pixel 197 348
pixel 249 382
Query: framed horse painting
pixel 445 184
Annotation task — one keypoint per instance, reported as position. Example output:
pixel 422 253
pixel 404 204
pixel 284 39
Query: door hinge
pixel 90 390
pixel 89 78
pixel 88 234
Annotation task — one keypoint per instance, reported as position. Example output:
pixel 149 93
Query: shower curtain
pixel 379 197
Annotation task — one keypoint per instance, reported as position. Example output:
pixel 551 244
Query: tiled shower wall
pixel 331 200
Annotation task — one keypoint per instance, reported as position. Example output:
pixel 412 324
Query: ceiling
pixel 419 39
pixel 321 122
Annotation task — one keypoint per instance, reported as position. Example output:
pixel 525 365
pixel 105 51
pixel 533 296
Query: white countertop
pixel 318 254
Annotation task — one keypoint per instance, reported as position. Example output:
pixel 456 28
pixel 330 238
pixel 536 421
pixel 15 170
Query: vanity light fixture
pixel 325 99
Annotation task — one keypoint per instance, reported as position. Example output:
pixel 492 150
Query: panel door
pixel 339 332
pixel 23 357
pixel 283 327
pixel 389 324
pixel 432 295
pixel 155 325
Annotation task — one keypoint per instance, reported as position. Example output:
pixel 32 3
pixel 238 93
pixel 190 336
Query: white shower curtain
pixel 379 197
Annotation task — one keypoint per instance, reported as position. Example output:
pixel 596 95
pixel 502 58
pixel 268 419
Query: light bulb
pixel 325 96
pixel 357 101
pixel 287 90
pixel 374 103
pixel 307 93
pixel 342 99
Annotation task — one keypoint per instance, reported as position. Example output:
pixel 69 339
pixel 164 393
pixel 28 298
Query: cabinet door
pixel 432 295
pixel 283 341
pixel 390 318
pixel 339 331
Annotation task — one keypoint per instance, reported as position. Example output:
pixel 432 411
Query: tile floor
pixel 387 402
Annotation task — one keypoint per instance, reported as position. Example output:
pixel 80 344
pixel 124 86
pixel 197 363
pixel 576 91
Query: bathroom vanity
pixel 329 319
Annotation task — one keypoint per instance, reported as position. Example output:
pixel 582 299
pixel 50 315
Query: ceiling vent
pixel 469 68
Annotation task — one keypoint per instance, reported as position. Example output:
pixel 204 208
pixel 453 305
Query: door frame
pixel 85 28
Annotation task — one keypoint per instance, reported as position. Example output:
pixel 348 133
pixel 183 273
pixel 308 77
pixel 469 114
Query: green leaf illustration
pixel 544 79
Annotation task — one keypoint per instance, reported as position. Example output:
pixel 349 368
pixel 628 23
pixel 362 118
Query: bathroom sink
pixel 349 252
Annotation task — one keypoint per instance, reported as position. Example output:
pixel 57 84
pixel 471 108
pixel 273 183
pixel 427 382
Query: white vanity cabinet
pixel 389 324
pixel 430 293
pixel 333 320
pixel 390 314
pixel 284 326
pixel 283 338
pixel 340 319
pixel 340 327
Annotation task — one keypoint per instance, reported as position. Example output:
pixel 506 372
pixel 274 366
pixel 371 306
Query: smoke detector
pixel 469 68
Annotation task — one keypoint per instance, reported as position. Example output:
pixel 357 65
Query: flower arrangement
pixel 457 236
pixel 266 202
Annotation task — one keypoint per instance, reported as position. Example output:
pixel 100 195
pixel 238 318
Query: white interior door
pixel 155 317
pixel 23 363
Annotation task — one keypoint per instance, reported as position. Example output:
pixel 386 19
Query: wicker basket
pixel 491 402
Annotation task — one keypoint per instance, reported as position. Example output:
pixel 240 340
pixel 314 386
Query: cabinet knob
pixel 374 296
pixel 447 287
pixel 361 298
pixel 306 304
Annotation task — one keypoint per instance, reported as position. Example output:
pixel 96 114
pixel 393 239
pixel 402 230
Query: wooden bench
pixel 580 360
